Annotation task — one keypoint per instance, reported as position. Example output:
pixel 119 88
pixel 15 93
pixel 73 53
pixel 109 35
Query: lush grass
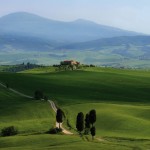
pixel 131 72
pixel 120 97
pixel 131 121
pixel 26 114
pixel 61 142
pixel 82 86
pixel 40 70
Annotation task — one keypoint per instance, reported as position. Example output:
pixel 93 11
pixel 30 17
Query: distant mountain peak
pixel 84 21
pixel 81 20
pixel 80 30
pixel 20 15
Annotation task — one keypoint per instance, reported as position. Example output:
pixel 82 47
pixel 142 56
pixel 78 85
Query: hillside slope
pixel 120 97
pixel 91 86
pixel 114 41
pixel 29 116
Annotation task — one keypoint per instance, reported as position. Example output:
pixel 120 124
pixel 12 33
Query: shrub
pixel 54 130
pixel 38 95
pixel 9 131
pixel 46 98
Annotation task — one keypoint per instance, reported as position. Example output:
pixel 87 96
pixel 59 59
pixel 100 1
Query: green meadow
pixel 115 120
pixel 121 99
pixel 84 86
pixel 29 116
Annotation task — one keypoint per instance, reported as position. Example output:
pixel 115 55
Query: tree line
pixel 21 67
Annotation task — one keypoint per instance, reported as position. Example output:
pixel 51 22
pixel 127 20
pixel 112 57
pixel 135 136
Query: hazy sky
pixel 127 14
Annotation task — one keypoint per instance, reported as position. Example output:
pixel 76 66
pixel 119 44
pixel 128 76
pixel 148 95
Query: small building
pixel 70 62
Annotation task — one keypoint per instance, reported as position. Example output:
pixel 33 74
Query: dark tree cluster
pixel 39 95
pixel 85 65
pixel 22 67
pixel 86 124
pixel 9 131
pixel 55 65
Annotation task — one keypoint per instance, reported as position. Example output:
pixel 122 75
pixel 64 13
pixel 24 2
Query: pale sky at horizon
pixel 126 14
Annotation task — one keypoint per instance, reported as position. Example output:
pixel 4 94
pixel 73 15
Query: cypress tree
pixel 92 116
pixel 38 94
pixel 59 116
pixel 93 130
pixel 87 124
pixel 80 122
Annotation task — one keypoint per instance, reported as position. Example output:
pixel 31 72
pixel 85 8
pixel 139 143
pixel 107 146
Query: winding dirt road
pixel 57 124
pixel 14 91
pixel 50 101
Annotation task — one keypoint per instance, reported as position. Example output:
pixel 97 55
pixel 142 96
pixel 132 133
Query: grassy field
pixel 62 142
pixel 82 86
pixel 115 120
pixel 120 97
pixel 39 70
pixel 29 116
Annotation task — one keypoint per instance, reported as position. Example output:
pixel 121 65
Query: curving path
pixel 50 101
pixel 57 124
pixel 14 91
pixel 53 107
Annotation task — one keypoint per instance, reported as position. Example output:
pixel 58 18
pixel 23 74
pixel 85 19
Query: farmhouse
pixel 69 62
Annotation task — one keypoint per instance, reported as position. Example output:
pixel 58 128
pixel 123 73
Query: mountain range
pixel 23 32
pixel 26 24
pixel 138 40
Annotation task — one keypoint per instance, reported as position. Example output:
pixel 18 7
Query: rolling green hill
pixel 82 86
pixel 120 97
pixel 28 115
pixel 115 120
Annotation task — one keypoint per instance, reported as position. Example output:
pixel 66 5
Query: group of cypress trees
pixel 86 124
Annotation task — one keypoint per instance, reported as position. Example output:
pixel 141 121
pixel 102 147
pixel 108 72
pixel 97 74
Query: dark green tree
pixel 92 116
pixel 93 130
pixel 80 122
pixel 38 95
pixel 59 116
pixel 87 124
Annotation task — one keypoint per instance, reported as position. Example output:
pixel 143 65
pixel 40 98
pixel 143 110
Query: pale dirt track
pixel 57 124
pixel 50 101
pixel 14 91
